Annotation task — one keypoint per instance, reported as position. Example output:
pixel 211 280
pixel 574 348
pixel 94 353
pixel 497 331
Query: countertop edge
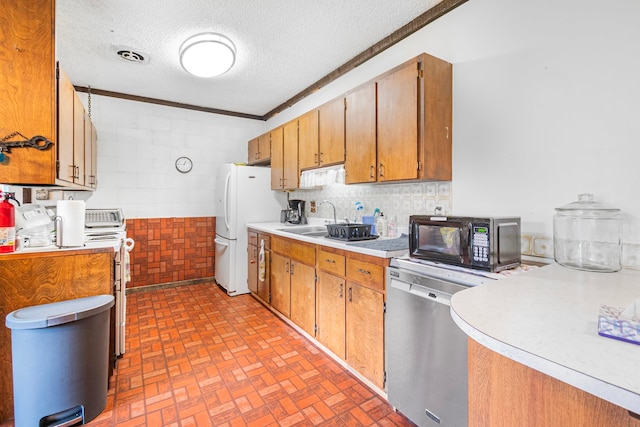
pixel 273 228
pixel 602 389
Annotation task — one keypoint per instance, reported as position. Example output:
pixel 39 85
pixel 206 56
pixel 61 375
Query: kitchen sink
pixel 310 231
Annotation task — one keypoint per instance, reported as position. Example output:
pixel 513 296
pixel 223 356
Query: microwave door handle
pixel 466 240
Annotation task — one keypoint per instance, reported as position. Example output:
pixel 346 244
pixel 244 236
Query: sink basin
pixel 310 231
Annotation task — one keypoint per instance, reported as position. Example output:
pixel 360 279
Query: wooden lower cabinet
pixel 28 279
pixel 335 296
pixel 293 281
pixel 503 392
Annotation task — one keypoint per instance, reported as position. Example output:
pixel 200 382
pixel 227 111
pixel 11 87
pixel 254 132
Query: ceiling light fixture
pixel 207 54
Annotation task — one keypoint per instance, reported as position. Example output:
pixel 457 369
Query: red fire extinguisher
pixel 7 224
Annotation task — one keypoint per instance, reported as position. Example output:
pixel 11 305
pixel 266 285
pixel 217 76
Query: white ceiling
pixel 283 46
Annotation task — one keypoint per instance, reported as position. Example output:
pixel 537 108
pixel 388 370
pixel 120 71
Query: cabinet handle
pixel 292 264
pixel 371 171
pixel 320 162
pixel 331 261
pixel 340 291
pixel 381 169
pixel 350 294
pixel 286 267
pixel 364 271
pixel 447 128
pixel 315 158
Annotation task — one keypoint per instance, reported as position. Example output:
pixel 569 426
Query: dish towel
pixel 262 266
pixel 127 267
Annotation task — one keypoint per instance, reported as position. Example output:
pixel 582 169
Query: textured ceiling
pixel 283 46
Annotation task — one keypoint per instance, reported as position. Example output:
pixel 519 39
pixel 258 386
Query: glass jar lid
pixel 586 206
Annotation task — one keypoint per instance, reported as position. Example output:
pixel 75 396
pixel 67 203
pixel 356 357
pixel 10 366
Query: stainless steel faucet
pixel 335 221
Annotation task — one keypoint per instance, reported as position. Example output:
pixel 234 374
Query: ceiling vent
pixel 130 55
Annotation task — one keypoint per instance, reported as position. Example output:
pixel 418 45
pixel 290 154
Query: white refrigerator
pixel 242 194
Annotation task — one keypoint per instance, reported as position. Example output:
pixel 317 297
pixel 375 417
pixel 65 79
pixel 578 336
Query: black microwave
pixel 484 243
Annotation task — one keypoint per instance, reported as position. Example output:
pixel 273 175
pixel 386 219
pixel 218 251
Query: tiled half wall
pixel 171 250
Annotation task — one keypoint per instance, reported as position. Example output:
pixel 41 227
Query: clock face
pixel 184 164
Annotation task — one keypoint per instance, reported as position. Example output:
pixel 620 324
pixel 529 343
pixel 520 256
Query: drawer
pixel 331 262
pixel 253 238
pixel 365 273
pixel 303 252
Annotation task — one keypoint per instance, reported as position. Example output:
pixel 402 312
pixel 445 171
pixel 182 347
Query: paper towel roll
pixel 70 223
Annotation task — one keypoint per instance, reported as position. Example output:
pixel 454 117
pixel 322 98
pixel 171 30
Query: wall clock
pixel 184 164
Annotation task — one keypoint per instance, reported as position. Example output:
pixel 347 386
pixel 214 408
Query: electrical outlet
pixel 312 206
pixel 42 194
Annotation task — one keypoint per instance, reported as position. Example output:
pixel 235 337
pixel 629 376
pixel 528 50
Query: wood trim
pixel 166 103
pixel 405 31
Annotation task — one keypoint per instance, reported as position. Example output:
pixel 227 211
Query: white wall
pixel 138 145
pixel 545 104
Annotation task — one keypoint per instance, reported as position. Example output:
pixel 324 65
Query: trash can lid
pixel 57 313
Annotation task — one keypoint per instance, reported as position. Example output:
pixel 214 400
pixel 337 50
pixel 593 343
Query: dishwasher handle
pixel 422 291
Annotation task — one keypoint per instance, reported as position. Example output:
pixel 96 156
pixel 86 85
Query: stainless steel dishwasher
pixel 425 352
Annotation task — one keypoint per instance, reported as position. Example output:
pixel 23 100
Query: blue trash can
pixel 60 354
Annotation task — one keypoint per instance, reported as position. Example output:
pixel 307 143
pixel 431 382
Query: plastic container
pixel 60 357
pixel 587 236
pixel 381 226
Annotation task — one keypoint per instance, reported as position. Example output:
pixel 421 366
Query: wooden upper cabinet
pixel 308 140
pixel 360 135
pixel 27 89
pixel 91 153
pixel 331 133
pixel 414 121
pixel 277 159
pixel 260 149
pixel 291 171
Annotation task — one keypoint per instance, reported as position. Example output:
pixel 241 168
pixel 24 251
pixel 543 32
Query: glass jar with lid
pixel 587 235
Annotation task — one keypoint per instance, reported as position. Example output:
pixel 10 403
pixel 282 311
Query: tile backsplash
pixel 399 200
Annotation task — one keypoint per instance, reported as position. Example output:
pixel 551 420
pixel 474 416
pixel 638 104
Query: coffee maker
pixel 295 213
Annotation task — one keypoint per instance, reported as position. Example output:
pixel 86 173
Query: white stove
pixel 109 225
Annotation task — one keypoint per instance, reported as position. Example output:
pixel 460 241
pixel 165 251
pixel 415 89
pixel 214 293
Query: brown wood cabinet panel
pixel 291 171
pixel 303 296
pixel 252 237
pixel 277 158
pixel 79 141
pixel 41 278
pixel 526 394
pixel 398 124
pixel 252 266
pixel 308 140
pixel 331 314
pixel 280 283
pixel 27 88
pixel 66 134
pixel 365 273
pixel 360 135
pixel 303 252
pixel 259 149
pixel 331 132
pixel 365 332
pixel 91 153
pixel 331 262
pixel 253 151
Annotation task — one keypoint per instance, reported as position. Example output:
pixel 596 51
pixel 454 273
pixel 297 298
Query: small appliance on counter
pixel 483 243
pixel 34 225
pixel 295 214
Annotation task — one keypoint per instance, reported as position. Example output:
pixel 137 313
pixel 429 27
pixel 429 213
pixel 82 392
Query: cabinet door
pixel 291 172
pixel 331 313
pixel 27 85
pixel 252 268
pixel 79 141
pixel 365 332
pixel 398 124
pixel 253 151
pixel 66 98
pixel 308 140
pixel 280 284
pixel 264 147
pixel 93 155
pixel 277 159
pixel 360 135
pixel 331 133
pixel 303 296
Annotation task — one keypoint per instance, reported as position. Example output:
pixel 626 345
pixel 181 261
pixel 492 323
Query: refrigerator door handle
pixel 226 201
pixel 221 242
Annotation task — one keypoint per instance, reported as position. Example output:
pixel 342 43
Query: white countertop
pixel 114 244
pixel 277 228
pixel 547 319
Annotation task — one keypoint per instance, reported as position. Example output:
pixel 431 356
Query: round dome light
pixel 207 55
